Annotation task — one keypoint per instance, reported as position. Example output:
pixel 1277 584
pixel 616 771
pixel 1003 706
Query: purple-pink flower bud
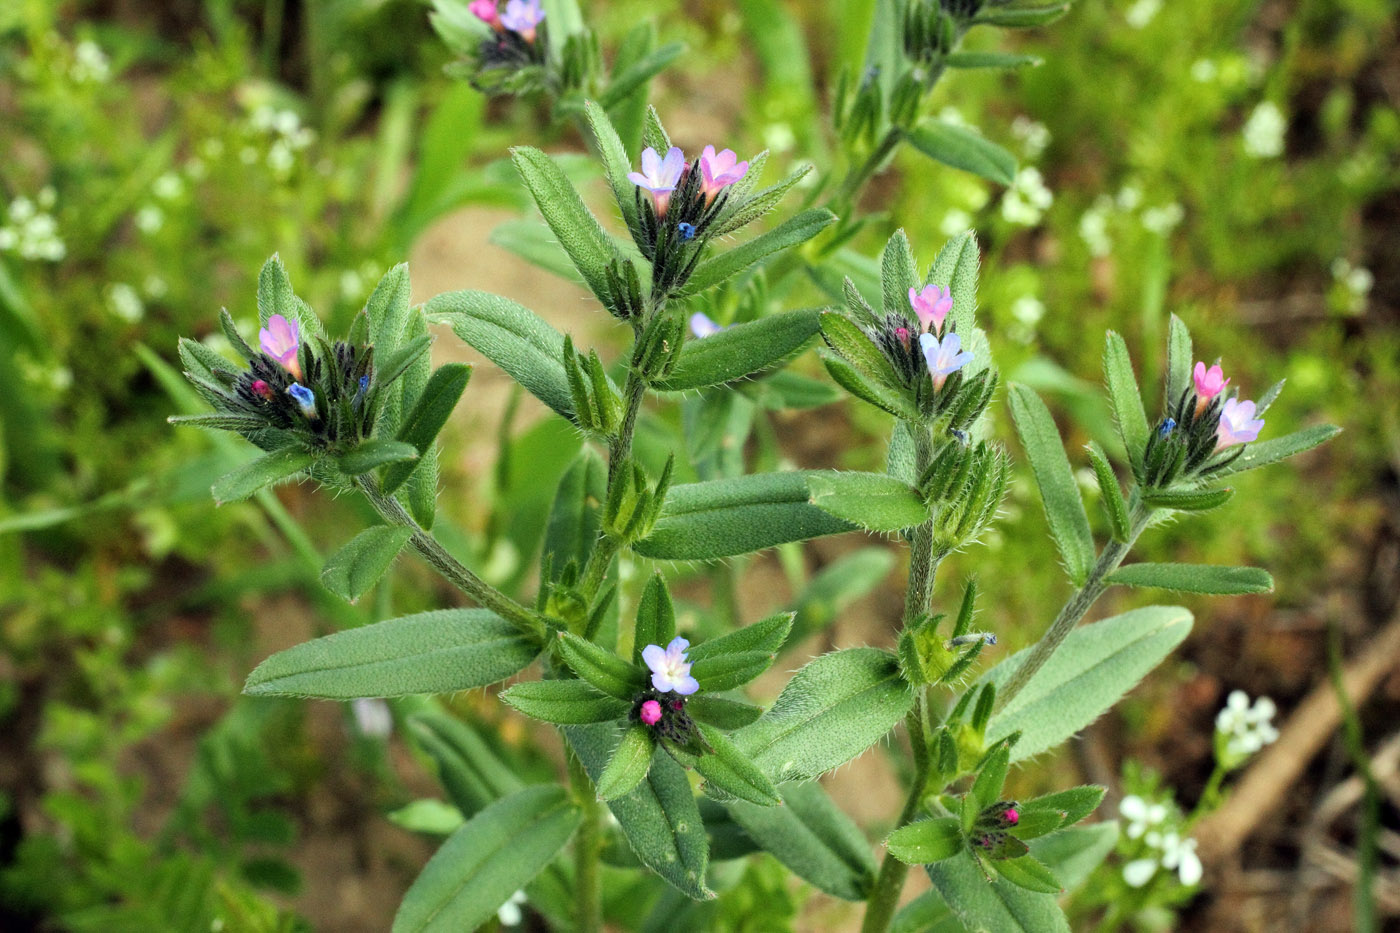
pixel 280 339
pixel 719 171
pixel 1012 816
pixel 932 306
pixel 944 357
pixel 522 16
pixel 1209 383
pixel 650 712
pixel 485 10
pixel 669 668
pixel 659 176
pixel 1237 424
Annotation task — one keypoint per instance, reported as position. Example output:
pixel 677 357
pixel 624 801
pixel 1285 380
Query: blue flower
pixel 944 357
pixel 305 399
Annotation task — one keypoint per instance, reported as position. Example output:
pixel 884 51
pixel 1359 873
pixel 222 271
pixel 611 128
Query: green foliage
pixel 965 149
pixel 358 565
pixel 1069 525
pixel 1195 578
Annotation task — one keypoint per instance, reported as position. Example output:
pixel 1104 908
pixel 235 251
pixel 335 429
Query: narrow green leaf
pixel 1064 508
pixel 926 914
pixel 999 906
pixel 431 652
pixel 394 364
pixel 1074 803
pixel 992 60
pixel 1073 854
pixel 812 837
pixel 221 422
pixel 926 841
pixel 1262 453
pixel 1188 500
pixel 1195 578
pixel 496 853
pixel 601 668
pixel 629 763
pixel 875 501
pixel 955 268
pixel 965 149
pixel 749 209
pixel 722 518
pixel 262 471
pixel 576 516
pixel 856 348
pixel 428 417
pixel 1178 360
pixel 1026 872
pixel 727 671
pixel 1025 17
pixel 986 789
pixel 726 265
pixel 729 770
pixel 656 617
pixel 639 73
pixel 616 162
pixel 576 228
pixel 374 453
pixel 898 274
pixel 831 711
pixel 204 362
pixel 358 565
pixel 1094 667
pixel 721 712
pixel 867 389
pixel 511 336
pixel 564 702
pixel 660 818
pixel 1127 400
pixel 470 771
pixel 388 310
pixel 741 351
pixel 766 637
pixel 1110 493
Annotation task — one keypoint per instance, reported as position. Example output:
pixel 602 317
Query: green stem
pixel 485 595
pixel 620 444
pixel 588 846
pixel 1109 558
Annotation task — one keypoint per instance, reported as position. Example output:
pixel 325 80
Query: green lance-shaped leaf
pixel 831 711
pixel 726 517
pixel 275 296
pixel 999 906
pixel 1026 17
pixel 857 349
pixel 955 268
pixel 394 364
pixel 1110 493
pixel 616 163
pixel 898 274
pixel 630 762
pixel 765 637
pixel 261 471
pixel 727 671
pixel 1262 453
pixel 656 617
pixel 1188 500
pixel 564 702
pixel 741 350
pixel 470 770
pixel 429 415
pixel 375 453
pixel 358 565
pixel 926 913
pixel 1094 666
pixel 388 310
pixel 660 818
pixel 1072 854
pixel 1064 508
pixel 511 336
pixel 601 668
pixel 1195 578
pixel 1178 360
pixel 221 422
pixel 1126 399
pixel 431 652
pixel 1027 872
pixel 926 841
pixel 726 265
pixel 496 853
pixel 639 73
pixel 750 208
pixel 720 711
pixel 811 837
pixel 576 516
pixel 986 788
pixel 875 501
pixel 1071 805
pixel 730 771
pixel 867 389
pixel 965 149
pixel 992 60
pixel 578 231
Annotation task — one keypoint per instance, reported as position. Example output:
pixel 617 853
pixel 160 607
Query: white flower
pixel 124 302
pixel 32 232
pixel 1142 13
pixel 510 913
pixel 1162 220
pixel 168 186
pixel 154 286
pixel 1141 815
pixel 1245 728
pixel 1026 201
pixel 1204 71
pixel 1263 131
pixel 90 63
pixel 1139 871
pixel 779 137
pixel 1129 197
pixel 1180 854
pixel 1093 227
pixel 1034 135
pixel 149 219
pixel 955 222
pixel 372 717
pixel 21 209
pixel 953 115
pixel 280 158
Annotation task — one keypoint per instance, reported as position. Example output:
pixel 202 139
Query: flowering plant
pixel 638 706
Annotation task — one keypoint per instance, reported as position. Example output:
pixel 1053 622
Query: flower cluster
pixel 1162 843
pixel 30 229
pixel 662 707
pixel 1204 431
pixel 508 57
pixel 1242 729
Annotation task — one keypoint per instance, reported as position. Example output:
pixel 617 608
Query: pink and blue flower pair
pixel 1237 422
pixel 521 17
pixel 660 176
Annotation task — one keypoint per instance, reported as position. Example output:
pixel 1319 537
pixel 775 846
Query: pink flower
pixel 485 10
pixel 1209 383
pixel 1012 816
pixel 717 172
pixel 932 306
pixel 1237 424
pixel 522 16
pixel 659 176
pixel 651 712
pixel 669 668
pixel 280 339
pixel 944 357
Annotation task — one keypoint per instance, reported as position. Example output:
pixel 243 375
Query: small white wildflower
pixel 510 913
pixel 1245 728
pixel 168 186
pixel 1204 71
pixel 263 118
pixel 90 63
pixel 1129 197
pixel 1141 815
pixel 21 209
pixel 1034 135
pixel 955 222
pixel 124 302
pixel 1093 227
pixel 1263 131
pixel 1179 854
pixel 1028 309
pixel 286 122
pixel 1162 220
pixel 952 115
pixel 212 148
pixel 351 285
pixel 1139 871
pixel 196 169
pixel 9 239
pixel 1357 280
pixel 47 198
pixel 1026 201
pixel 779 137
pixel 1142 12
pixel 32 233
pixel 372 717
pixel 280 159
pixel 149 219
pixel 154 286
pixel 301 138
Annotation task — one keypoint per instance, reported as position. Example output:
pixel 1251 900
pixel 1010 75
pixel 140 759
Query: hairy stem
pixel 485 595
pixel 588 845
pixel 1109 558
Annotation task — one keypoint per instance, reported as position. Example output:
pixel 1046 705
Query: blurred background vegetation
pixel 1235 163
